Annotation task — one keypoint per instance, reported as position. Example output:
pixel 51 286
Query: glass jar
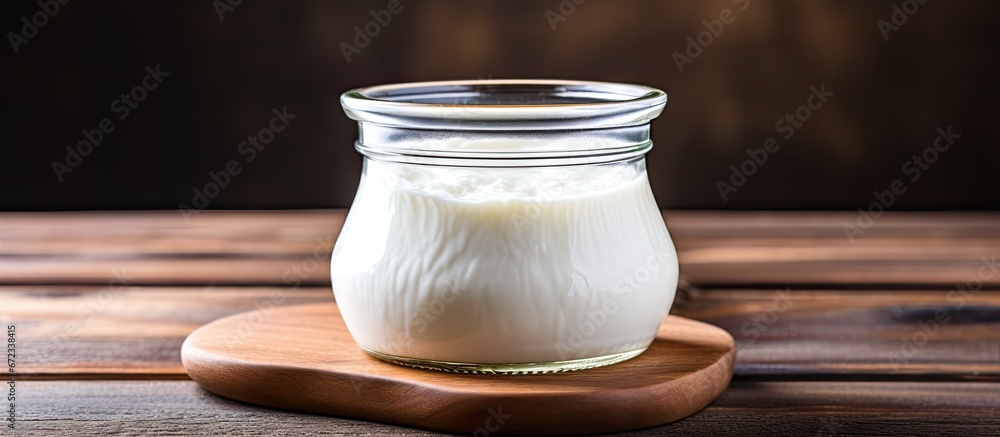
pixel 504 226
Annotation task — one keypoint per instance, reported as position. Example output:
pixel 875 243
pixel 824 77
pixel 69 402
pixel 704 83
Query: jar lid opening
pixel 511 104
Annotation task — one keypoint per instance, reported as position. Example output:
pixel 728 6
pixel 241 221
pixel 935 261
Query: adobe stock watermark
pixel 788 124
pixel 485 84
pixel 829 427
pixel 899 16
pixel 123 106
pixel 713 29
pixel 292 278
pixel 762 321
pixel 222 7
pixel 480 85
pixel 915 168
pixel 248 149
pixel 495 418
pixel 958 297
pixel 425 316
pixel 624 289
pixel 90 308
pixel 11 416
pixel 564 10
pixel 417 323
pixel 30 27
pixel 532 210
pixel 363 35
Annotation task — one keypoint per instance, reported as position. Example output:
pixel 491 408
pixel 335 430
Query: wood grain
pixel 160 248
pixel 859 334
pixel 142 233
pixel 926 249
pixel 100 332
pixel 854 304
pixel 745 408
pixel 822 334
pixel 167 271
pixel 716 249
pixel 303 358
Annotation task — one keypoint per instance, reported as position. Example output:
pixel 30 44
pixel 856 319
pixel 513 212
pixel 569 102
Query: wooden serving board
pixel 303 358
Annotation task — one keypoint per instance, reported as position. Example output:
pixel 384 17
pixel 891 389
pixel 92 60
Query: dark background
pixel 939 69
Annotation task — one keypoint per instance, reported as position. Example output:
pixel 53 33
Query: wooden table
pixel 883 334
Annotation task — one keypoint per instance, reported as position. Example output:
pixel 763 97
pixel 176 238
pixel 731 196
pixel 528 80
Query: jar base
pixel 507 369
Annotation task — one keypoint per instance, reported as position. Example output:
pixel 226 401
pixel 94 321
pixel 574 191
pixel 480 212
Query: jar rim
pixel 512 104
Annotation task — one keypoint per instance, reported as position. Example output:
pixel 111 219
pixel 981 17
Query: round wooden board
pixel 303 358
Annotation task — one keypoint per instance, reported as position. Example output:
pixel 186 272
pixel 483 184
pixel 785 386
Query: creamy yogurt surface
pixel 498 265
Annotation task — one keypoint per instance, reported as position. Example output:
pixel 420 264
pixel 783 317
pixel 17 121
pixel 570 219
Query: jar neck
pixel 496 148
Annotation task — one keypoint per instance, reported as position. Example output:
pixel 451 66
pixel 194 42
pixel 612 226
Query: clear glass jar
pixel 504 226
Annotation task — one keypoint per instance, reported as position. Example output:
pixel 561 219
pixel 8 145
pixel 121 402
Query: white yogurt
pixel 504 265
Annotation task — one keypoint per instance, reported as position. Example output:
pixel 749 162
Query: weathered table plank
pixel 930 333
pixel 746 408
pixel 927 249
pixel 132 332
pixel 715 248
pixel 73 332
pixel 166 271
pixel 896 303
